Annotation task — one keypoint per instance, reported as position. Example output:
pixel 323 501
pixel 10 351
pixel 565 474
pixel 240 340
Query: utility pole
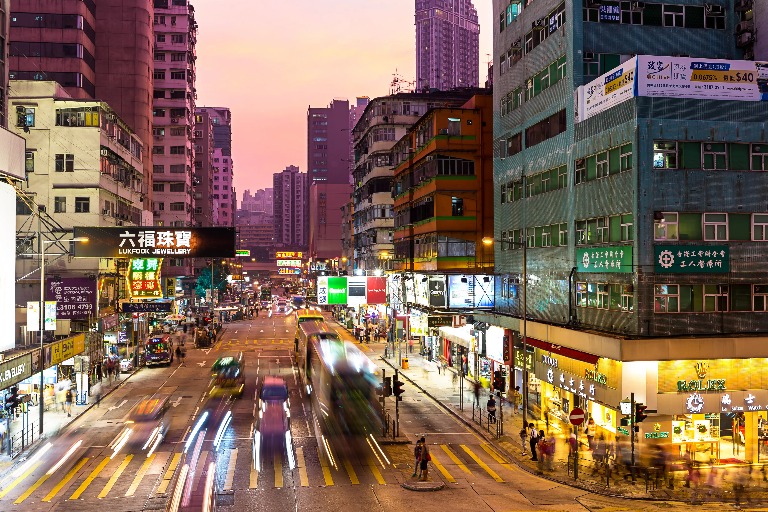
pixel 632 427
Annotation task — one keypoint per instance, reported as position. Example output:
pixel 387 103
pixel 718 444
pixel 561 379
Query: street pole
pixel 632 428
pixel 41 332
pixel 525 334
pixel 397 406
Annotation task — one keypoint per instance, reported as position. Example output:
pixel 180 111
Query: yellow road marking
pixel 18 480
pixel 231 469
pixel 65 480
pixel 169 474
pixel 91 478
pixel 278 470
pixel 254 479
pixel 481 464
pixel 442 470
pixel 303 478
pixel 32 488
pixel 142 471
pixel 455 459
pixel 490 451
pixel 376 472
pixel 113 479
pixel 351 473
pixel 326 470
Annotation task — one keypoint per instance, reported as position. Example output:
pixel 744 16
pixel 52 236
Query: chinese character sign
pixel 604 259
pixel 144 278
pixel 685 259
pixel 158 242
pixel 75 297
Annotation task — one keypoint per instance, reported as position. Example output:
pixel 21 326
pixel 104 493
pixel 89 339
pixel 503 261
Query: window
pixel 29 161
pixel 759 157
pixel 665 155
pixel 158 132
pixel 158 168
pixel 159 74
pixel 159 56
pixel 714 16
pixel 626 157
pixel 665 228
pixel 562 177
pixel 581 294
pixel 160 38
pixel 457 207
pixel 674 15
pixel 546 236
pixel 627 228
pixel 514 144
pixel 82 205
pixel 25 117
pixel 715 226
pixel 177 38
pixel 176 187
pixel 602 230
pixel 666 298
pixel 759 227
pixel 178 57
pixel 715 297
pixel 627 298
pixel 177 207
pixel 760 297
pixel 64 162
pixel 580 171
pixel 629 15
pixel 158 187
pixel 562 237
pixel 530 237
pixel 602 296
pixel 158 150
pixel 714 156
pixel 178 75
pixel 59 204
pixel 602 165
pixel 581 232
pixel 177 150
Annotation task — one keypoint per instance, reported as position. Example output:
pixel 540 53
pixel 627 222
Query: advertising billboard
pixel 494 344
pixel 607 90
pixel 331 290
pixel 376 290
pixel 158 242
pixel 421 289
pixel 437 292
pixel 144 278
pixel 604 259
pixel 351 290
pixel 33 316
pixel 75 297
pixel 691 259
pixel 471 291
pixel 8 260
pixel 356 289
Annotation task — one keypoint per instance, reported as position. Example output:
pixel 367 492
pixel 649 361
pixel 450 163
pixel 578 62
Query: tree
pixel 204 280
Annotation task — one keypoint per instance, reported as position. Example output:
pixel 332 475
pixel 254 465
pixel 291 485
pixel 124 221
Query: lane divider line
pixel 91 478
pixel 113 479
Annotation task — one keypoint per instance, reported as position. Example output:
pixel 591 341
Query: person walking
pixel 476 389
pixel 517 400
pixel 543 447
pixel 96 390
pixel 533 439
pixel 425 458
pixel 68 401
pixel 524 440
pixel 417 457
pixel 590 430
pixel 178 355
pixel 490 406
pixel 410 346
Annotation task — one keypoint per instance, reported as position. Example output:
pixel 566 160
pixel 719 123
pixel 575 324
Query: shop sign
pixel 437 291
pixel 376 290
pixel 657 435
pixel 519 360
pixel 604 259
pixel 288 263
pixel 610 13
pixel 60 351
pixel 439 321
pixel 144 278
pixel 291 271
pixel 701 368
pixel 331 290
pixel 690 259
pixel 471 291
pixel 128 242
pixel 288 254
pixel 569 384
pixel 15 370
pixel 549 360
pixel 75 297
pixel 242 252
pixel 623 430
pixel 596 376
pixel 143 307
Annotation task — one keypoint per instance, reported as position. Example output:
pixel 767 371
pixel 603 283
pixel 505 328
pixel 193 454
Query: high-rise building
pixel 447 44
pixel 174 118
pixel 260 201
pixel 630 218
pixel 202 180
pixel 124 64
pixel 5 17
pixel 223 195
pixel 55 41
pixel 290 193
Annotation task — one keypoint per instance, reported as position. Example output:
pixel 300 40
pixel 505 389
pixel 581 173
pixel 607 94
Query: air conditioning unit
pixel 105 211
pixel 744 39
pixel 714 9
pixel 744 26
pixel 742 5
pixel 174 120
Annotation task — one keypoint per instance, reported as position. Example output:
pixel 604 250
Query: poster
pixel 75 297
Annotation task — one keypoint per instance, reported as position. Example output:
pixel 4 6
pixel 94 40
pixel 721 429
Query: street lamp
pixel 41 326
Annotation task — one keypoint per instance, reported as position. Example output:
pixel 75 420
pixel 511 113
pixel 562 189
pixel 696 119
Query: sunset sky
pixel 269 60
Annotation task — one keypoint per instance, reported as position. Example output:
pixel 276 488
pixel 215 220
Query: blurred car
pixel 274 407
pixel 126 365
pixel 282 306
pixel 265 304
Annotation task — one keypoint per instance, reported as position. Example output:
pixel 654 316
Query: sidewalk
pixel 442 387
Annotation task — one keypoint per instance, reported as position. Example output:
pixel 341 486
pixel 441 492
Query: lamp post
pixel 42 243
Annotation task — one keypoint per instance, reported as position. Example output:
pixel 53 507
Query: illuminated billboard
pixel 351 290
pixel 155 242
pixel 471 291
pixel 144 278
pixel 289 255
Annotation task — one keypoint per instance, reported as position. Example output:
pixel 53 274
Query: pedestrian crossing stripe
pixel 231 470
pixel 19 479
pixel 113 479
pixel 169 473
pixel 301 464
pixel 278 470
pixel 326 470
pixel 442 470
pixel 142 471
pixel 32 488
pixel 455 459
pixel 91 478
pixel 376 472
pixel 64 481
pixel 351 472
pixel 495 456
pixel 481 463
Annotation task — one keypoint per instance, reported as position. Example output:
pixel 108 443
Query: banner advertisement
pixel 376 290
pixel 33 316
pixel 494 344
pixel 15 370
pixel 437 298
pixel 62 350
pixel 144 278
pixel 8 244
pixel 351 290
pixel 75 297
pixel 288 255
pixel 691 259
pixel 145 307
pixel 289 263
pixel 710 79
pixel 604 259
pixel 468 291
pixel 356 288
pixel 158 242
pixel 608 90
pixel 421 289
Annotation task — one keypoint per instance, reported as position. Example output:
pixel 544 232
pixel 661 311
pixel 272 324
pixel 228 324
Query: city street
pixel 312 473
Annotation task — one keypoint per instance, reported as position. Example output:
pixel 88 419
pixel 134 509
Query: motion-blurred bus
pixel 159 350
pixel 340 380
pixel 228 375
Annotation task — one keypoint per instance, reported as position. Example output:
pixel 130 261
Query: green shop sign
pixel 690 259
pixel 604 259
pixel 657 435
pixel 337 290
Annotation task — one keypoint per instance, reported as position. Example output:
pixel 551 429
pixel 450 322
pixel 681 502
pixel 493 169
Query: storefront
pixel 458 348
pixel 494 364
pixel 716 409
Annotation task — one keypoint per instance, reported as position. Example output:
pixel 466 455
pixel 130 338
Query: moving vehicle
pixel 282 306
pixel 298 301
pixel 145 426
pixel 340 380
pixel 159 350
pixel 274 407
pixel 126 365
pixel 229 375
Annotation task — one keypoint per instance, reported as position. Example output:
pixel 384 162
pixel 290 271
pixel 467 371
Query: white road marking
pixel 176 402
pixel 201 364
pixel 118 405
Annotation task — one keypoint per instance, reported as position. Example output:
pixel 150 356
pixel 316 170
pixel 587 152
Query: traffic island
pixel 422 486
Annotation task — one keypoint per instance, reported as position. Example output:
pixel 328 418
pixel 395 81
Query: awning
pixel 563 351
pixel 458 335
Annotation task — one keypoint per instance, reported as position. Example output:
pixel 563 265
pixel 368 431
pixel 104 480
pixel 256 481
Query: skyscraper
pixel 447 44
pixel 290 193
pixel 224 200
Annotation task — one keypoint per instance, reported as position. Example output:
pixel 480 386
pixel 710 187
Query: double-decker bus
pixel 229 375
pixel 159 350
pixel 340 380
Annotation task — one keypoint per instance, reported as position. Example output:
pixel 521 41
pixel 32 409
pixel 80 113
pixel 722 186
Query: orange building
pixel 443 190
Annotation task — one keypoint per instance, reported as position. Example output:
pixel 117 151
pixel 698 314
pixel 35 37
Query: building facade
pixel 124 64
pixel 224 198
pixel 202 180
pixel 290 193
pixel 325 219
pixel 447 44
pixel 54 41
pixel 624 234
pixel 260 201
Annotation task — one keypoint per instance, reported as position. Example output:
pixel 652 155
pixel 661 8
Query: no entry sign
pixel 576 416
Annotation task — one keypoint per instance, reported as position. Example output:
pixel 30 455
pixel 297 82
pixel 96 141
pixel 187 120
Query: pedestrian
pixel 546 418
pixel 590 430
pixel 573 445
pixel 533 439
pixel 425 458
pixel 517 400
pixel 99 374
pixel 543 448
pixel 476 389
pixel 178 354
pixel 490 406
pixel 183 356
pixel 96 390
pixel 524 440
pixel 417 456
pixel 68 401
pixel 410 346
pixel 110 369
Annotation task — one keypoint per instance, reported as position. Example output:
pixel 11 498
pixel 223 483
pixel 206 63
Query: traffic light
pixel 640 412
pixel 387 386
pixel 398 389
pixel 12 398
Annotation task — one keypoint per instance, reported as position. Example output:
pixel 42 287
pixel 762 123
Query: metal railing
pixel 21 440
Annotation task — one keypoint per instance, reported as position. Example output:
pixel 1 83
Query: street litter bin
pixel 404 364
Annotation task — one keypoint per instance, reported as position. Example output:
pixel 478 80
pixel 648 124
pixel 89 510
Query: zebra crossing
pixel 127 475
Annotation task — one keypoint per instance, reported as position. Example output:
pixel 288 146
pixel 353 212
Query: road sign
pixel 576 416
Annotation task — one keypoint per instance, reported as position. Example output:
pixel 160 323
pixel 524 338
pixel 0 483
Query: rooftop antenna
pixel 399 84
